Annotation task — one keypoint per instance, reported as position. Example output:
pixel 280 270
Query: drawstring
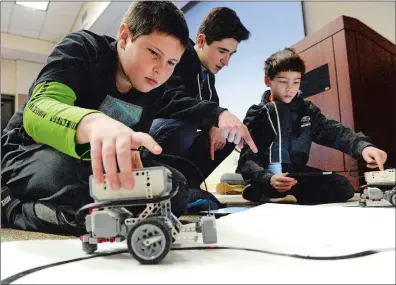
pixel 199 88
pixel 269 117
pixel 210 89
pixel 279 133
pixel 276 133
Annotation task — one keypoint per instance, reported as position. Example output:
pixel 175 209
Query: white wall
pixel 8 76
pixel 379 16
pixel 273 26
pixel 17 76
pixel 92 11
pixel 26 73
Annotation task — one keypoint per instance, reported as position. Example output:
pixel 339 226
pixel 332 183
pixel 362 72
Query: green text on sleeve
pixel 51 118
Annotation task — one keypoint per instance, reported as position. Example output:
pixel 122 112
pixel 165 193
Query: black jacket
pixel 187 79
pixel 301 123
pixel 86 63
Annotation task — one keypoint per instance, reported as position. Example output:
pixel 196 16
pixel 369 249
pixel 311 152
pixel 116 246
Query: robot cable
pixel 22 274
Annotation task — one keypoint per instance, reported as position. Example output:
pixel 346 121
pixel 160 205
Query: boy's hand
pixel 374 157
pixel 111 144
pixel 216 141
pixel 282 183
pixel 235 131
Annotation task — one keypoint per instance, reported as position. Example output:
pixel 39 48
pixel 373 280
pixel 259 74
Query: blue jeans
pixel 174 136
pixel 183 139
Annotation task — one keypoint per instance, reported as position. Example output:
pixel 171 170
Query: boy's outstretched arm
pixel 51 118
pixel 111 143
pixel 374 157
pixel 177 104
pixel 333 134
pixel 250 165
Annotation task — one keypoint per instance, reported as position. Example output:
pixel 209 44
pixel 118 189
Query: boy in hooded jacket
pixel 283 126
pixel 218 37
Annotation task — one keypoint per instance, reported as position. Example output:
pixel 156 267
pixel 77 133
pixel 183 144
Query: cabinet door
pixel 320 54
pixel 346 63
pixel 375 106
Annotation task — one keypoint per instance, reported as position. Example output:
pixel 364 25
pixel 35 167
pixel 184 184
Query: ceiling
pixel 50 25
pixel 109 21
pixel 30 34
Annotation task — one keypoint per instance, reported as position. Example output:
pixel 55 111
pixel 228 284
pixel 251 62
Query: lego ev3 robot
pixel 150 231
pixel 380 185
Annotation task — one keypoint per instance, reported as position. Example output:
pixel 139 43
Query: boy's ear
pixel 201 40
pixel 267 81
pixel 124 34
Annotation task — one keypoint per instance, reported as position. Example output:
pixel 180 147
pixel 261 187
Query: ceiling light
pixel 35 5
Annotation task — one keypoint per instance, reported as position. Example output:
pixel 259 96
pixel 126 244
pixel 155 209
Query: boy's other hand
pixel 111 143
pixel 216 141
pixel 282 183
pixel 235 131
pixel 374 157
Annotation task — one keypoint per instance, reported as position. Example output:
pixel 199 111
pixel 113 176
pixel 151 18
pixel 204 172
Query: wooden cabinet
pixel 362 92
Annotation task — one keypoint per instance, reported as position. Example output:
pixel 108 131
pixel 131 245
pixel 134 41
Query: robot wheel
pixel 149 241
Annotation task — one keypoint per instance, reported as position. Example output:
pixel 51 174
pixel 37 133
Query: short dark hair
pixel 146 17
pixel 282 61
pixel 223 23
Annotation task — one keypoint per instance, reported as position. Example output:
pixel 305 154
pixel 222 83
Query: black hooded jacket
pixel 188 79
pixel 301 123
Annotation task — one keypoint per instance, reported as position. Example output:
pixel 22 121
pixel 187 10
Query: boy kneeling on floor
pixel 283 127
pixel 98 95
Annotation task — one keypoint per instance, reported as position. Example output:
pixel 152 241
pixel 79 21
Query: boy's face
pixel 284 86
pixel 150 60
pixel 216 55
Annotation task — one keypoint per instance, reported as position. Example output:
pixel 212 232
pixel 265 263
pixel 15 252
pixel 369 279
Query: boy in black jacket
pixel 100 95
pixel 284 126
pixel 217 40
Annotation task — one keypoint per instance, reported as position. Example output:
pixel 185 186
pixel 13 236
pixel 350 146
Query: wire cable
pixel 22 274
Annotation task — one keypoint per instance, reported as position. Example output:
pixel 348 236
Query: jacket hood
pixel 191 58
pixel 265 96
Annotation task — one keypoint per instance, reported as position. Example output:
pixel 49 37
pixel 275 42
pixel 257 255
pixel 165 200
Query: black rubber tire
pixel 166 246
pixel 393 199
pixel 89 248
